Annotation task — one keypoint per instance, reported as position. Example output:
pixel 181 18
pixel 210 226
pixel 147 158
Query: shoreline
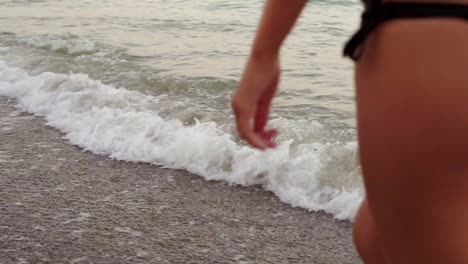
pixel 60 204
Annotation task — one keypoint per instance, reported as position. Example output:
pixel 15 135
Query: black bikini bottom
pixel 389 11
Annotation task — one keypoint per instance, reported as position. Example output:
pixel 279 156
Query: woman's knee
pixel 365 237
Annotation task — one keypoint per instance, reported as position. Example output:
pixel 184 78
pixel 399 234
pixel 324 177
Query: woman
pixel 412 111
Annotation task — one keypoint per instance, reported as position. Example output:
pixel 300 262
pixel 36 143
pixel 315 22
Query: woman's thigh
pixel 412 96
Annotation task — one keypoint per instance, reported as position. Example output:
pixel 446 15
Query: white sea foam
pixel 122 124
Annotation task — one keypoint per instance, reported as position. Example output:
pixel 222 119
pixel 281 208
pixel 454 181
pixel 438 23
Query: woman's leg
pixel 365 237
pixel 412 94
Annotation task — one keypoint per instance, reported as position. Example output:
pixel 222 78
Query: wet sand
pixel 59 204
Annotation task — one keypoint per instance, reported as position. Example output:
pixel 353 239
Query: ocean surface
pixel 151 81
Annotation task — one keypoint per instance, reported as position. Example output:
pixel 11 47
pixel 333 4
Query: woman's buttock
pixel 412 94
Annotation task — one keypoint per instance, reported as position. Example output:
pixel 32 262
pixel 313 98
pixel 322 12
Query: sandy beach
pixel 59 204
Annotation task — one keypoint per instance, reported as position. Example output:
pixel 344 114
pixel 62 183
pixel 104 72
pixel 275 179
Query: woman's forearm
pixel 279 16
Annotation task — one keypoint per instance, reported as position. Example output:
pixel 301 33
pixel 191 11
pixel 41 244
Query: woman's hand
pixel 252 100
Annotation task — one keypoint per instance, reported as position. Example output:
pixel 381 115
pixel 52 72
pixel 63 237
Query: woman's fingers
pixel 269 136
pixel 261 117
pixel 243 118
pixel 263 110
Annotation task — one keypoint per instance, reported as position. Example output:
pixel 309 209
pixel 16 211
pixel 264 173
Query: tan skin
pixel 412 109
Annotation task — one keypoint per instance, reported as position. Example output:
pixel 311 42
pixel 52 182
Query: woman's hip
pixel 412 102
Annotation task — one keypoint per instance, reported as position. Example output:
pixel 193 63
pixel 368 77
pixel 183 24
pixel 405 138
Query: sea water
pixel 151 81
